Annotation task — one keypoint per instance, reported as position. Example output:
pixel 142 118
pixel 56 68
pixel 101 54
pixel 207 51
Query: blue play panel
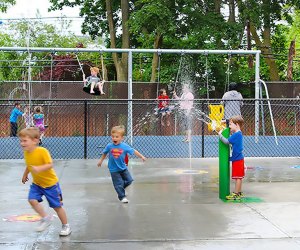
pixel 156 147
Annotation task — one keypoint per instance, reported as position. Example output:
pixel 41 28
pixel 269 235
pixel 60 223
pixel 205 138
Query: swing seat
pixel 87 89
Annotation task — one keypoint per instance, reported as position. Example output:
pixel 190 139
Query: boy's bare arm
pixel 138 154
pixel 101 160
pixel 25 175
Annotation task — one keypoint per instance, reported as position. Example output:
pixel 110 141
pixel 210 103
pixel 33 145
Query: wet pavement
pixel 174 204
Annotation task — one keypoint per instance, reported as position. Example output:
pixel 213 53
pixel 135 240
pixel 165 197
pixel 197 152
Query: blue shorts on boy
pixel 53 194
pixel 45 182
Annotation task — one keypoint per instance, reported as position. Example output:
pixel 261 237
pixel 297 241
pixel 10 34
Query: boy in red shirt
pixel 163 107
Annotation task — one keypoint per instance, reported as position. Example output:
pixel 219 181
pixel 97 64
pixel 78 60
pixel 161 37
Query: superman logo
pixel 116 152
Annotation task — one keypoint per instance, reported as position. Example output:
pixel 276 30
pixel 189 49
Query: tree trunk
pixel 121 64
pixel 231 18
pixel 249 46
pixel 157 45
pixel 266 50
pixel 218 6
pixel 123 76
pixel 290 61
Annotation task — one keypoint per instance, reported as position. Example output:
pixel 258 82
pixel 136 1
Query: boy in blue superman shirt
pixel 117 151
pixel 237 157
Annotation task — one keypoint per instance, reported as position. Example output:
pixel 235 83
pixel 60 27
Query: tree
pixel 37 34
pixel 150 22
pixel 263 16
pixel 5 4
pixel 105 18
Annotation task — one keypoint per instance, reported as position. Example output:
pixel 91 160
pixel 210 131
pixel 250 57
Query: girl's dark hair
pixel 161 91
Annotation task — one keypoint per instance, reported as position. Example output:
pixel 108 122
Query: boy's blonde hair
pixel 118 129
pixel 95 69
pixel 38 109
pixel 32 133
pixel 238 120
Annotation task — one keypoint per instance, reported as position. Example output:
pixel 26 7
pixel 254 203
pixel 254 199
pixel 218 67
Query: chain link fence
pixel 81 128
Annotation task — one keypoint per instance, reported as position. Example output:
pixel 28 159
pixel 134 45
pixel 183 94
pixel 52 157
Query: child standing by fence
pixel 38 119
pixel 13 119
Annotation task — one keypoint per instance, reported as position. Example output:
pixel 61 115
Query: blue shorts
pixel 163 110
pixel 53 194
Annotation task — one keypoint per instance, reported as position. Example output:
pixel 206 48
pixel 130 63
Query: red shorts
pixel 238 169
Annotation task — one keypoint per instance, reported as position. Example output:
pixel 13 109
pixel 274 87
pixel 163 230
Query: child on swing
pixel 93 81
pixel 163 107
pixel 38 120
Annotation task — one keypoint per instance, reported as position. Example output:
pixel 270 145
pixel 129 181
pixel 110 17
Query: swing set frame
pixel 159 52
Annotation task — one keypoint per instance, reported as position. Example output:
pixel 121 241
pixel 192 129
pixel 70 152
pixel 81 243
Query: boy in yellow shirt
pixel 45 182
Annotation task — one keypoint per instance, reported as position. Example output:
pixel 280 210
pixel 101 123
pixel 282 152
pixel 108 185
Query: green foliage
pixel 183 24
pixel 5 4
pixel 33 34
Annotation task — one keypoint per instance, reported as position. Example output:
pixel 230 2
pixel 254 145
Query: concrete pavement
pixel 174 204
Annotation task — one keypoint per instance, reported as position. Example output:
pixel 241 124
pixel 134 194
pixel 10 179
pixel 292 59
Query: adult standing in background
pixel 232 101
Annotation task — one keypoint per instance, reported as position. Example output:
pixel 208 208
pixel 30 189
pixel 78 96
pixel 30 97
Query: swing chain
pixel 227 73
pixel 206 75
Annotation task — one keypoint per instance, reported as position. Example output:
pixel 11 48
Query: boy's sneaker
pixel 241 194
pixel 44 223
pixel 65 230
pixel 124 200
pixel 233 196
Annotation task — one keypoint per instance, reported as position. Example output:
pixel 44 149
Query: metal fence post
pixel 129 120
pixel 224 171
pixel 203 130
pixel 257 78
pixel 85 129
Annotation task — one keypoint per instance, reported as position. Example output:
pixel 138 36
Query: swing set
pixel 130 53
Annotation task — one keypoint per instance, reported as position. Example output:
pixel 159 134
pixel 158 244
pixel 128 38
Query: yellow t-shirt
pixel 40 156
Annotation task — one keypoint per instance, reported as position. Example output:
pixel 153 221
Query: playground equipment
pixel 216 114
pixel 159 51
pixel 224 170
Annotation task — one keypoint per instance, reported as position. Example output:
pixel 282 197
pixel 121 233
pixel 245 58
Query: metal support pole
pixel 224 169
pixel 129 119
pixel 85 129
pixel 262 109
pixel 257 96
pixel 101 50
pixel 203 131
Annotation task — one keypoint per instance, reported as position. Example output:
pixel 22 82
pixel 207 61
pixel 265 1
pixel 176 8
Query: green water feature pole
pixel 224 167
